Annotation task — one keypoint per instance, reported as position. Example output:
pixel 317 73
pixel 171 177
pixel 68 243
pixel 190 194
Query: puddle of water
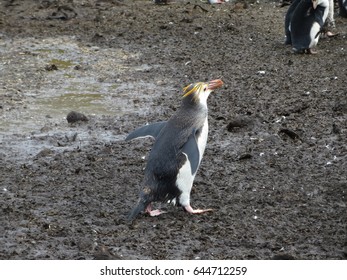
pixel 88 103
pixel 48 96
pixel 52 109
pixel 61 64
pixel 51 95
pixel 54 105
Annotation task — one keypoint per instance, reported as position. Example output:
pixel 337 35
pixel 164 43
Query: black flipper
pixel 150 130
pixel 288 20
pixel 190 148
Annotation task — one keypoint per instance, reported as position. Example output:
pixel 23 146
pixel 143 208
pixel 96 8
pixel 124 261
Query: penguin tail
pixel 139 207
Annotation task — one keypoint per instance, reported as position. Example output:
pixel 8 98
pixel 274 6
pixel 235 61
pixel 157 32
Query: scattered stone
pixel 51 67
pixel 44 153
pixel 245 156
pixel 73 117
pixel 336 129
pixel 340 107
pixel 293 135
pixel 63 12
pixel 161 2
pixel 45 129
pixel 239 122
pixel 103 253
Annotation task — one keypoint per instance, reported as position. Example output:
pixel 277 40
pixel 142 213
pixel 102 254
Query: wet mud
pixel 275 164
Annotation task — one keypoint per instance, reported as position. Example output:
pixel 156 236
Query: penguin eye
pixel 205 88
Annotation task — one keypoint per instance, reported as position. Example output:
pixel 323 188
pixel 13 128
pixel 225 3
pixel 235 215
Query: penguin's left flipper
pixel 150 130
pixel 191 150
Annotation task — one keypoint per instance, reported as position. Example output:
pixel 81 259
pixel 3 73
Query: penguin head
pixel 197 93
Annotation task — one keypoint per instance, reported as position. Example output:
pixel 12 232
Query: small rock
pixel 336 129
pixel 73 117
pixel 44 153
pixel 103 253
pixel 161 2
pixel 340 107
pixel 51 67
pixel 45 129
pixel 293 135
pixel 239 122
pixel 245 156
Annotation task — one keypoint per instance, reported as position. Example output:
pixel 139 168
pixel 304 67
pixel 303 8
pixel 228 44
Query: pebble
pixel 73 117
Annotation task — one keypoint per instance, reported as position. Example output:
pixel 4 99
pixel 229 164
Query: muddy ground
pixel 275 164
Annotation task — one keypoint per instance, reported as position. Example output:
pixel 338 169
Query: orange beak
pixel 212 85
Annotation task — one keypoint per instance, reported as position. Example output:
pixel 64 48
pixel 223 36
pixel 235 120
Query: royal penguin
pixel 176 153
pixel 305 23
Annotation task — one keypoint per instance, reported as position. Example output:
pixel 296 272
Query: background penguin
pixel 160 2
pixel 343 8
pixel 306 24
pixel 176 153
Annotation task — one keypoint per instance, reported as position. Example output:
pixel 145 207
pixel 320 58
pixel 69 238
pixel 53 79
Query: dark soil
pixel 275 164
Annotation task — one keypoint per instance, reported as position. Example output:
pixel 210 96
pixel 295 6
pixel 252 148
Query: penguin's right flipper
pixel 150 130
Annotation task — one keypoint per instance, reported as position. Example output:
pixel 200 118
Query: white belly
pixel 185 177
pixel 202 141
pixel 313 35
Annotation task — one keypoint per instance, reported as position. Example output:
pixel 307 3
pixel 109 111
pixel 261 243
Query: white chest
pixel 185 177
pixel 202 140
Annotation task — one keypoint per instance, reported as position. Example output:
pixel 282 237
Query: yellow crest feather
pixel 191 88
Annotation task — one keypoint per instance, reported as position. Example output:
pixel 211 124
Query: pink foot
pixel 189 209
pixel 330 34
pixel 153 213
pixel 156 212
pixel 311 51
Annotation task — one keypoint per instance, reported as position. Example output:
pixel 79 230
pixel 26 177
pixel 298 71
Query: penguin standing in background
pixel 304 24
pixel 343 8
pixel 176 153
pixel 160 2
